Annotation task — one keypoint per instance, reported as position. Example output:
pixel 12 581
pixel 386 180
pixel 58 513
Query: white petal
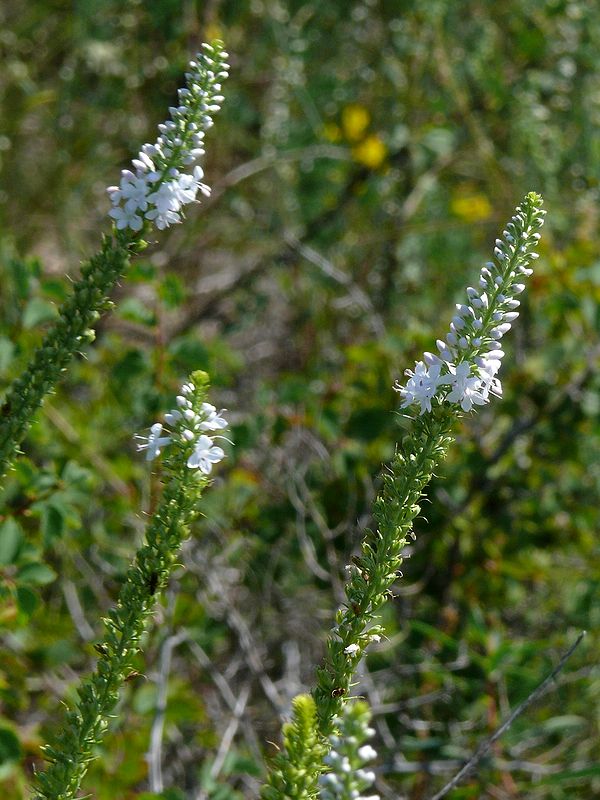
pixel 193 461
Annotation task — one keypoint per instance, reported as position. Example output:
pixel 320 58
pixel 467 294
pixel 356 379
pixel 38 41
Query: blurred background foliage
pixel 367 156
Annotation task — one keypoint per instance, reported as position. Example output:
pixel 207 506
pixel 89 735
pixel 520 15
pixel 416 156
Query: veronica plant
pixel 164 178
pixel 293 771
pixel 189 439
pixel 347 778
pixel 441 387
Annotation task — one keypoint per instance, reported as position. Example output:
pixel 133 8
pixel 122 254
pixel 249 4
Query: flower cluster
pixel 156 189
pixel 470 356
pixel 190 425
pixel 348 778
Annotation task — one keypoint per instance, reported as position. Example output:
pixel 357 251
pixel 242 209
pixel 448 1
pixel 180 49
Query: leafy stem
pixel 73 329
pixel 73 747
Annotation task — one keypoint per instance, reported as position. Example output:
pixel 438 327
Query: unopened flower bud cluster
pixel 348 778
pixel 465 371
pixel 194 429
pixel 165 175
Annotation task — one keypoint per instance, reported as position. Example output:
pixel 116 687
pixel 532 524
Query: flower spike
pixel 189 422
pixel 164 178
pixel 470 357
pixel 159 186
pixel 75 744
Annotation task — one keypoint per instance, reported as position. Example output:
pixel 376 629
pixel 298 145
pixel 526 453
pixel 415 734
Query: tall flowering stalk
pixel 190 453
pixel 463 375
pixel 344 756
pixel 164 178
pixel 347 777
pixel 166 175
pixel 294 770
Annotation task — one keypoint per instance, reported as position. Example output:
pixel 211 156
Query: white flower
pixel 125 218
pixel 345 765
pixel 213 421
pixel 488 366
pixel 205 454
pixel 166 205
pixel 347 779
pixel 157 188
pixel 330 779
pixel 165 198
pixel 367 753
pixel 422 386
pixel 207 420
pixel 134 191
pixel 352 649
pixel 332 759
pixel 187 413
pixel 365 775
pixel 154 442
pixel 173 416
pixel 164 220
pixel 188 421
pixel 470 356
pixel 466 389
pixel 187 186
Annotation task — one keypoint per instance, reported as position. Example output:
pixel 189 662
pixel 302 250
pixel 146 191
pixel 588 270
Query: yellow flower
pixel 332 132
pixel 355 121
pixel 471 207
pixel 371 152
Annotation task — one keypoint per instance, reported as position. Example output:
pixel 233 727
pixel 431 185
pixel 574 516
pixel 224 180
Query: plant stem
pixel 294 773
pixel 73 748
pixel 72 329
pixel 376 570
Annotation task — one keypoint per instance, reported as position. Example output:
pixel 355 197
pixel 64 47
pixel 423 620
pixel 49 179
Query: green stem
pixel 73 748
pixel 295 772
pixel 376 570
pixel 70 332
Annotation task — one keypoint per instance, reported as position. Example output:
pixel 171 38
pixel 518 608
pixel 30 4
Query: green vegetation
pixel 365 159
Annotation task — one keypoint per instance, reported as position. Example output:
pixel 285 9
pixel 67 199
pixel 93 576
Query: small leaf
pixel 11 538
pixel 38 574
pixel 134 310
pixel 563 723
pixel 55 289
pixel 145 699
pixel 10 747
pixel 141 272
pixel 53 524
pixel 27 600
pixel 38 311
pixel 172 291
pixel 20 274
pixel 189 352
